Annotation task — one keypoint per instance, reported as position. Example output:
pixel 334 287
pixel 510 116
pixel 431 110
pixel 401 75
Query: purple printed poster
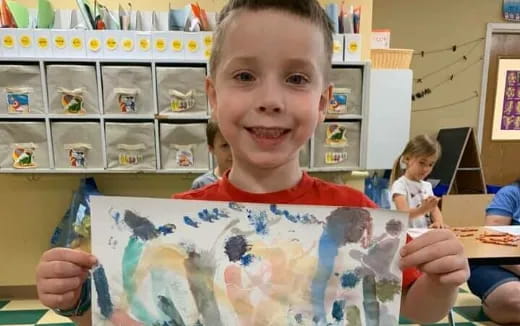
pixel 511 104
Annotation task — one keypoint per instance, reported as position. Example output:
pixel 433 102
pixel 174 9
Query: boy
pixel 219 147
pixel 269 89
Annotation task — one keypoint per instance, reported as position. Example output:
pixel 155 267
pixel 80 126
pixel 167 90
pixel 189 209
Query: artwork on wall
pixel 506 115
pixel 185 262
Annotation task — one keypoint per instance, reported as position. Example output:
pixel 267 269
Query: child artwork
pixel 192 263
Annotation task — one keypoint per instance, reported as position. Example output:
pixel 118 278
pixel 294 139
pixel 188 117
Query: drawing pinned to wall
pixel 23 156
pixel 175 262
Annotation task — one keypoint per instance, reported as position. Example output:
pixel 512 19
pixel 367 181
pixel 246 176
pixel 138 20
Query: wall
pixel 427 25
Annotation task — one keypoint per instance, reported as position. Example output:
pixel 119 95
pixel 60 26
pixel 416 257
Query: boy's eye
pixel 244 76
pixel 297 79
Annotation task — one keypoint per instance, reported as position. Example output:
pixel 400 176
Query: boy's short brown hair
pixel 211 132
pixel 307 9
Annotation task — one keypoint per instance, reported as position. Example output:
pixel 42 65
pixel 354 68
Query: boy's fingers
pixel 426 240
pixel 456 277
pixel 60 301
pixel 444 265
pixel 70 255
pixel 59 269
pixel 430 253
pixel 60 285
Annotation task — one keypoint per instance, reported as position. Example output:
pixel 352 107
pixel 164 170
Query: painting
pixel 506 116
pixel 165 262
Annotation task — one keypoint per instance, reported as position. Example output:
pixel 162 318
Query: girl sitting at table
pixel 499 286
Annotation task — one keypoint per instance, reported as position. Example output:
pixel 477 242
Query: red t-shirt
pixel 309 191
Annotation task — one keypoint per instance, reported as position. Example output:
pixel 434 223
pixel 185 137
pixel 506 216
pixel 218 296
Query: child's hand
pixel 60 275
pixel 439 225
pixel 429 203
pixel 439 254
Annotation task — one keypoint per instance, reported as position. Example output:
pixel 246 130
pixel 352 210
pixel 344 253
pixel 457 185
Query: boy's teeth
pixel 268 132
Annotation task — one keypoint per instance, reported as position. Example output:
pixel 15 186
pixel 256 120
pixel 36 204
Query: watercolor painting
pixel 165 262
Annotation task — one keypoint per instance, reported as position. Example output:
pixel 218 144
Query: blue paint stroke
pixel 327 252
pixel 167 229
pixel 103 292
pixel 236 206
pixel 370 303
pixel 246 260
pixel 258 219
pixel 298 218
pixel 338 311
pixel 208 216
pixel 141 226
pixel 116 216
pixel 349 280
pixel 168 308
pixel 130 261
pixel 190 222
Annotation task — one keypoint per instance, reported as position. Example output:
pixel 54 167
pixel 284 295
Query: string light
pixel 464 100
pixel 452 48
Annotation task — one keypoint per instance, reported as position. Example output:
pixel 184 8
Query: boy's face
pixel 222 152
pixel 269 90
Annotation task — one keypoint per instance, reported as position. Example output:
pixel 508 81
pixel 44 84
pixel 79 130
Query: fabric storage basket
pixel 21 89
pixel 181 91
pixel 72 89
pixel 130 146
pixel 23 145
pixel 337 144
pixel 127 89
pixel 77 145
pixel 348 94
pixel 184 146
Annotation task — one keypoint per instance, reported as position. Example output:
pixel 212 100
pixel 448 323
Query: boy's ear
pixel 325 98
pixel 212 96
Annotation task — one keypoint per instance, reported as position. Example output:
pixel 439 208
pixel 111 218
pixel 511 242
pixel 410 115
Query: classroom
pixel 114 116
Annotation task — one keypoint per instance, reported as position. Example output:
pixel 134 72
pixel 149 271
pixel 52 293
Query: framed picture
pixel 506 116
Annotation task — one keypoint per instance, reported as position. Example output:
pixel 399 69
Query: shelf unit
pixel 48 118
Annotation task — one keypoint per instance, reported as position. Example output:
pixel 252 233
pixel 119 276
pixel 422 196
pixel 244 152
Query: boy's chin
pixel 269 161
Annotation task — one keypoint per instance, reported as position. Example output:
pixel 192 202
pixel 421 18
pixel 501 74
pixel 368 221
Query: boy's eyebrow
pixel 291 62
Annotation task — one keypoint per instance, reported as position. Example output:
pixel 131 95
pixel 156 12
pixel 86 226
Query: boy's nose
pixel 270 97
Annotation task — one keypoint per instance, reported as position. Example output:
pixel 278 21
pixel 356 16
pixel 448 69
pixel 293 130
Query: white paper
pixel 183 262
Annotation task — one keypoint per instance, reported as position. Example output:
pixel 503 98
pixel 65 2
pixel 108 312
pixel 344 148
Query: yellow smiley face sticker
pixel 111 43
pixel 94 44
pixel 128 44
pixel 193 45
pixel 25 41
pixel 8 41
pixel 144 44
pixel 336 47
pixel 208 40
pixel 177 45
pixel 43 42
pixel 353 46
pixel 160 44
pixel 59 42
pixel 207 53
pixel 77 43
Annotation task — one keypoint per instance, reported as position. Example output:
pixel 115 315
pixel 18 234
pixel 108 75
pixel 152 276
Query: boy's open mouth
pixel 269 133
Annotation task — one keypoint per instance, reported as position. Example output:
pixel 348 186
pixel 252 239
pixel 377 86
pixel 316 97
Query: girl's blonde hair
pixel 419 146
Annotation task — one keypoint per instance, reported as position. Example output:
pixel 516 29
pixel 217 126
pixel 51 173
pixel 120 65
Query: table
pixel 484 253
pixel 490 254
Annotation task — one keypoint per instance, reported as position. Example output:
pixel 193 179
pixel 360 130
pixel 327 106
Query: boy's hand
pixel 60 275
pixel 440 255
